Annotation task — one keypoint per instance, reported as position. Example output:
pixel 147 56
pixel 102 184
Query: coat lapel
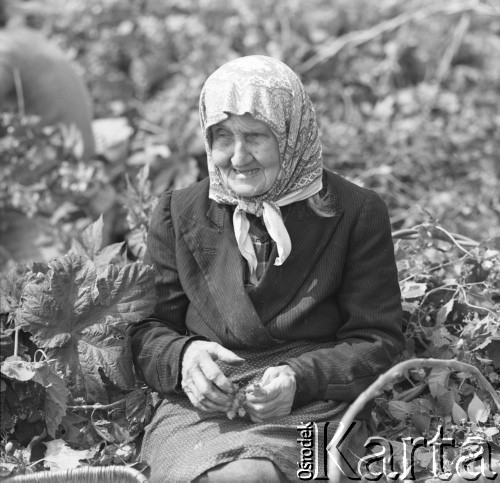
pixel 221 297
pixel 238 316
pixel 309 234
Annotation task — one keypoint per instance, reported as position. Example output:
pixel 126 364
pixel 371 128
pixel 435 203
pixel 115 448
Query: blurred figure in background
pixel 37 78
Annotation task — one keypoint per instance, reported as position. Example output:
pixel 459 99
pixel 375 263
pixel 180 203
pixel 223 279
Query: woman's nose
pixel 241 156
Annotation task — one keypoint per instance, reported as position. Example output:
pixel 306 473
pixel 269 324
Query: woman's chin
pixel 247 190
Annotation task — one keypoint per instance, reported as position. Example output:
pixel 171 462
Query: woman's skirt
pixel 182 442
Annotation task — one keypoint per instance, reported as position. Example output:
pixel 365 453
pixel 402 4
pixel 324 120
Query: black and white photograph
pixel 249 241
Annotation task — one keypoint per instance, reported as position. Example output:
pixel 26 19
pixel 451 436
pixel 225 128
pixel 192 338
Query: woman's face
pixel 246 153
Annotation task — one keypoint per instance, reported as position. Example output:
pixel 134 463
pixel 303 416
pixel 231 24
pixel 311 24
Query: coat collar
pixel 216 214
pixel 219 295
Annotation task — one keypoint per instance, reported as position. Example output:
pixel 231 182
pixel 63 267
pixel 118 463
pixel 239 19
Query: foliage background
pixel 408 100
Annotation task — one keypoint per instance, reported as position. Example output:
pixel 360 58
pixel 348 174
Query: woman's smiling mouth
pixel 245 173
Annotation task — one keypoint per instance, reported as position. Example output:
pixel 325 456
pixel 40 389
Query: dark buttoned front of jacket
pixel 338 286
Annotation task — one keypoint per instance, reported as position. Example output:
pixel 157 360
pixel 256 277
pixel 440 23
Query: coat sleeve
pixel 369 301
pixel 158 342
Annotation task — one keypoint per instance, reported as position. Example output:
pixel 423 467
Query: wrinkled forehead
pixel 257 85
pixel 242 124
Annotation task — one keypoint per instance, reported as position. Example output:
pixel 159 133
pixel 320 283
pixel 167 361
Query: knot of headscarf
pixel 273 221
pixel 272 93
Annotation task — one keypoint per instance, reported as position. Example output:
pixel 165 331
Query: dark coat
pixel 339 286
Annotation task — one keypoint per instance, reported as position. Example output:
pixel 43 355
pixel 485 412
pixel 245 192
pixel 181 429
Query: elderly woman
pixel 274 276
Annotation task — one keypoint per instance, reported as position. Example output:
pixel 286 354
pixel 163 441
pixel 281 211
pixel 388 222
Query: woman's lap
pixel 184 443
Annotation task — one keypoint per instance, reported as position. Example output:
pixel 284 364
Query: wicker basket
pixel 87 474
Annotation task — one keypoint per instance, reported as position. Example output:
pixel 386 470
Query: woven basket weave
pixel 87 474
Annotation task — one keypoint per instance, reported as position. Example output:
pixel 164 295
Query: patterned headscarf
pixel 272 93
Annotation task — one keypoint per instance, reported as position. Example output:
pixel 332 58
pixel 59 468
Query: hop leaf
pixel 458 414
pixel 90 246
pixel 79 316
pixel 413 290
pixel 478 411
pixel 438 381
pixel 400 409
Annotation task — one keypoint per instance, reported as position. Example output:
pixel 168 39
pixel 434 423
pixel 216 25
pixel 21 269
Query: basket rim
pixel 81 471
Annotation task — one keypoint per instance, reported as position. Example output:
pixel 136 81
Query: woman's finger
pixel 198 399
pixel 216 376
pixel 189 393
pixel 261 396
pixel 207 393
pixel 189 386
pixel 276 383
pixel 263 414
pixel 206 407
pixel 259 418
pixel 268 393
pixel 219 352
pixel 211 407
pixel 263 409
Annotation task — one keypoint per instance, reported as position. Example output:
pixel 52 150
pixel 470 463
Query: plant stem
pixel 412 233
pixel 18 84
pixel 16 340
pixel 116 404
pixel 360 37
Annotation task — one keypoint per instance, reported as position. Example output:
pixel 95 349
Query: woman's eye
pixel 222 135
pixel 255 137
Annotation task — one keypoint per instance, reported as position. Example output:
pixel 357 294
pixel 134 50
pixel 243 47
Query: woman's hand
pixel 205 385
pixel 275 395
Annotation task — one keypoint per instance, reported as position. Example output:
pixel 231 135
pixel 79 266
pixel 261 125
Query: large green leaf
pixel 79 316
pixel 90 246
